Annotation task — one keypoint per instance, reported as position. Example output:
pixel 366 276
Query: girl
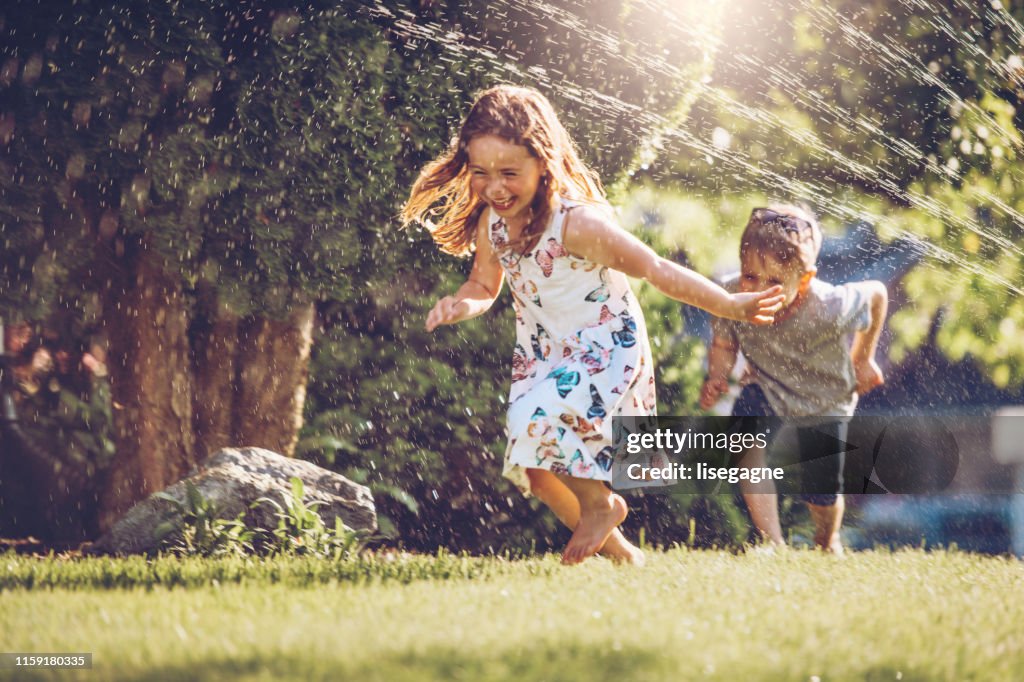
pixel 513 189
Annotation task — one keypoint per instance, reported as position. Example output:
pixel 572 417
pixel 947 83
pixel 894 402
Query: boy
pixel 800 365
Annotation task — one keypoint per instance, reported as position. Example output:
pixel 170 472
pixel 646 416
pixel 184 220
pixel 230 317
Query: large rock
pixel 234 478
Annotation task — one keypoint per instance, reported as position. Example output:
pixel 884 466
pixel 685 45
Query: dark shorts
pixel 822 475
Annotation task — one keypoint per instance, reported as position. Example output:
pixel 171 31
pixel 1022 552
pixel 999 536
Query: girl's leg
pixel 762 500
pixel 601 511
pixel 560 500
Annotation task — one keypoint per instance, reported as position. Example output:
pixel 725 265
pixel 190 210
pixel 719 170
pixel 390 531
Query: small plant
pixel 301 530
pixel 201 531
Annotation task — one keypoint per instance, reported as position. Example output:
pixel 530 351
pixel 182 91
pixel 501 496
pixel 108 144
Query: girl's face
pixel 762 272
pixel 504 175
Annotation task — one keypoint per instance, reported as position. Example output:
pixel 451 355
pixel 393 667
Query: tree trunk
pixel 273 369
pixel 239 382
pixel 145 316
pixel 250 377
pixel 215 346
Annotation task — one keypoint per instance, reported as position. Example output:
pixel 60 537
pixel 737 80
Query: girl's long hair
pixel 441 198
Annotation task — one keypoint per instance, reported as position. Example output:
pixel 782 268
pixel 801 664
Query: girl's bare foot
pixel 593 530
pixel 619 549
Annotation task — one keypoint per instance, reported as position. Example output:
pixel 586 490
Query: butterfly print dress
pixel 581 357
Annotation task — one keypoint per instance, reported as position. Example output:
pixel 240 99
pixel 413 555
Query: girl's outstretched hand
pixel 447 310
pixel 758 307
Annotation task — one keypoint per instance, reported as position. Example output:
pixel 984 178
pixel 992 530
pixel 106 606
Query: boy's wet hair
pixel 785 233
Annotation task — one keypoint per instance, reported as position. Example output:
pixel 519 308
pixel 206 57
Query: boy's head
pixel 780 245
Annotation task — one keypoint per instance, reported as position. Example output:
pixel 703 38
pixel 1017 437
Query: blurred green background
pixel 252 162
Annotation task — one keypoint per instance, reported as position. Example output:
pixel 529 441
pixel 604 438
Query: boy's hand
pixel 447 310
pixel 712 390
pixel 758 307
pixel 868 374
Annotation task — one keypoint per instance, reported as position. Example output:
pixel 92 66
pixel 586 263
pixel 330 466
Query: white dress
pixel 582 356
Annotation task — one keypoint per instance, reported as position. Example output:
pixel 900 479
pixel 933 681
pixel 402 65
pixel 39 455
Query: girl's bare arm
pixel 590 235
pixel 478 292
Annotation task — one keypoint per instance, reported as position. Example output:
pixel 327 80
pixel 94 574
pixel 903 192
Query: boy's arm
pixel 865 342
pixel 721 360
pixel 592 236
pixel 478 292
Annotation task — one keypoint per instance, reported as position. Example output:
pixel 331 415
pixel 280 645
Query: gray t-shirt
pixel 803 362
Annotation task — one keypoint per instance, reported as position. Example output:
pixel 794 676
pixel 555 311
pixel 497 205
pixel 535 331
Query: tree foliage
pixel 248 160
pixel 252 158
pixel 420 417
pixel 904 115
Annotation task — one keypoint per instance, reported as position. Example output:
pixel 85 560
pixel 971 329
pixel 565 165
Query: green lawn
pixel 907 615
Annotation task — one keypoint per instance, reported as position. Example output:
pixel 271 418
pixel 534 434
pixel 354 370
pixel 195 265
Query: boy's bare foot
pixel 593 530
pixel 827 521
pixel 619 549
pixel 834 547
pixel 767 548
